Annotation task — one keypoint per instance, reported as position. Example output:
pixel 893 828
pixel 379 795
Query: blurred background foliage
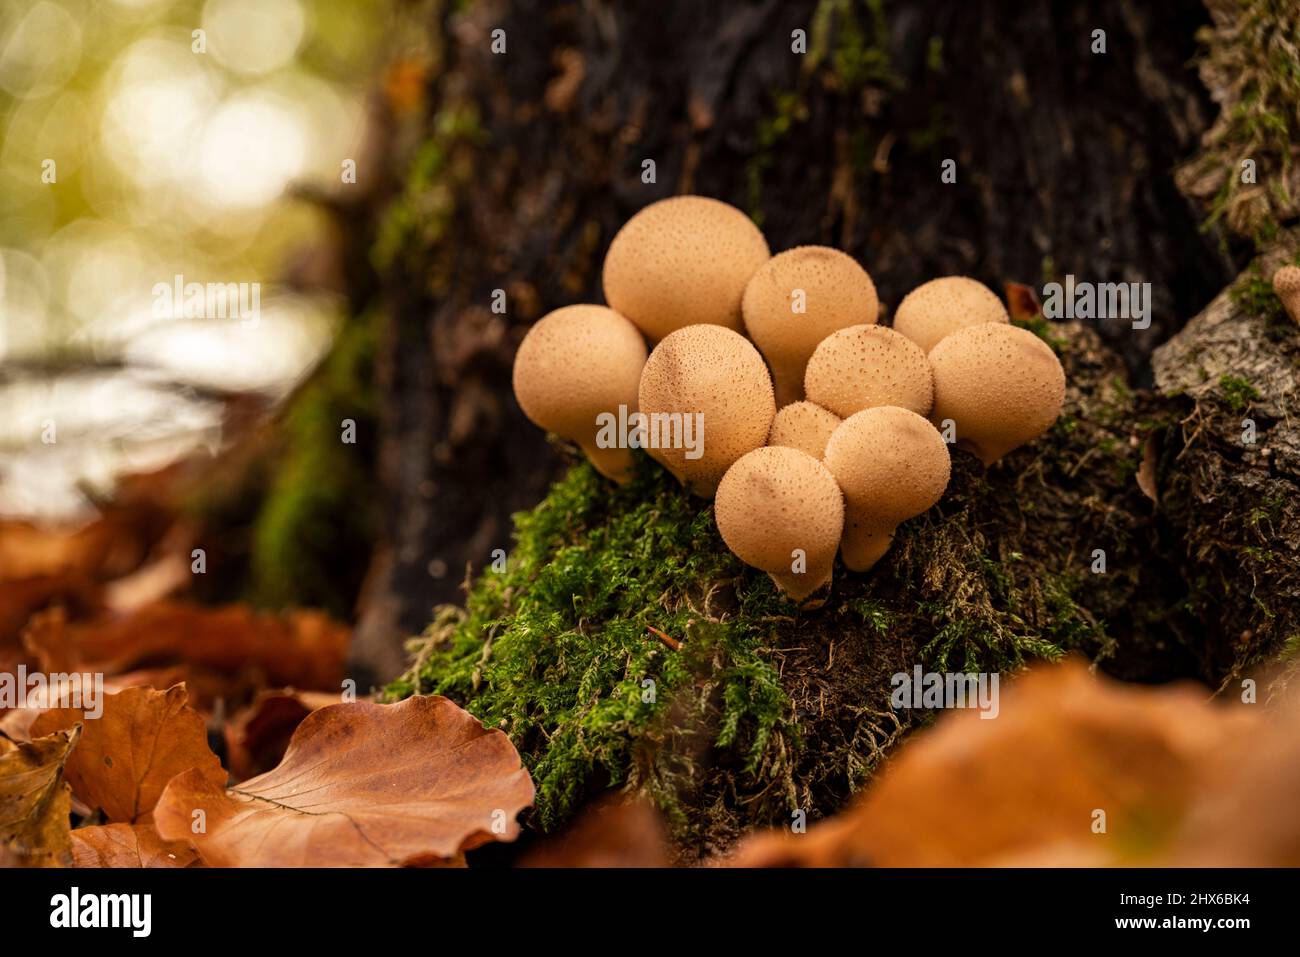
pixel 200 138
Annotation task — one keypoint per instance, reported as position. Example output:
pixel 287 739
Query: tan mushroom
pixel 1286 283
pixel 576 365
pixel 682 261
pixel 891 465
pixel 941 306
pixel 1001 386
pixel 803 426
pixel 865 366
pixel 798 298
pixel 706 399
pixel 780 510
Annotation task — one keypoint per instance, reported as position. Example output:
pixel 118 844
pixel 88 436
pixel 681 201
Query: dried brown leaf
pixel 128 845
pixel 126 756
pixel 361 784
pixel 35 803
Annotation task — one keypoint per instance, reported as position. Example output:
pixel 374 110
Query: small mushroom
pixel 941 306
pixel 780 510
pixel 1001 386
pixel 798 298
pixel 706 400
pixel 891 465
pixel 865 366
pixel 682 261
pixel 803 426
pixel 1286 283
pixel 576 365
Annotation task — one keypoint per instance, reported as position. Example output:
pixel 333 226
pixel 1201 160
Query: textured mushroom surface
pixel 798 298
pixel 716 377
pixel 574 364
pixel 865 366
pixel 680 262
pixel 781 510
pixel 892 465
pixel 804 426
pixel 1286 283
pixel 940 307
pixel 1001 386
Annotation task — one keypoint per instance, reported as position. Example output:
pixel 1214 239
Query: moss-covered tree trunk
pixel 531 158
pixel 1139 530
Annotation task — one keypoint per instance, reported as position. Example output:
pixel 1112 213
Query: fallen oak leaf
pixel 126 756
pixel 614 832
pixel 304 649
pixel 361 784
pixel 257 737
pixel 1024 788
pixel 35 803
pixel 128 845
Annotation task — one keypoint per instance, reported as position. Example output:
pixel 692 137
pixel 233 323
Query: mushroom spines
pixel 706 399
pixel 891 465
pixel 1000 385
pixel 682 261
pixel 798 298
pixel 936 309
pixel 612 351
pixel 865 366
pixel 804 426
pixel 780 510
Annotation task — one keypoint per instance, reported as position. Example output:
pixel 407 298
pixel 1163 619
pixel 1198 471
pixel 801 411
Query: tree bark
pixel 1064 161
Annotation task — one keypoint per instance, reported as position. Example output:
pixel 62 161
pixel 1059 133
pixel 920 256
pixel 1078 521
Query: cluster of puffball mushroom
pixel 816 426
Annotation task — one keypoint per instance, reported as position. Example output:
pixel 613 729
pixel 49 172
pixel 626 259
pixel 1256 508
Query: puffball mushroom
pixel 865 366
pixel 780 510
pixel 892 465
pixel 706 399
pixel 574 365
pixel 798 298
pixel 803 426
pixel 941 306
pixel 1286 283
pixel 682 261
pixel 1001 385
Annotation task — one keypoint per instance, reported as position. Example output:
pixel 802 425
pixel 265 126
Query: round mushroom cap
pixel 1286 283
pixel 776 504
pixel 830 290
pixel 706 399
pixel 609 352
pixel 803 426
pixel 682 261
pixel 866 366
pixel 891 464
pixel 1001 386
pixel 941 306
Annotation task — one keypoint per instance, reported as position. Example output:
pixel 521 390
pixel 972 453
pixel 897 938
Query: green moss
pixel 748 715
pixel 1041 326
pixel 318 514
pixel 1237 392
pixel 417 219
pixel 851 36
pixel 789 109
pixel 1252 63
